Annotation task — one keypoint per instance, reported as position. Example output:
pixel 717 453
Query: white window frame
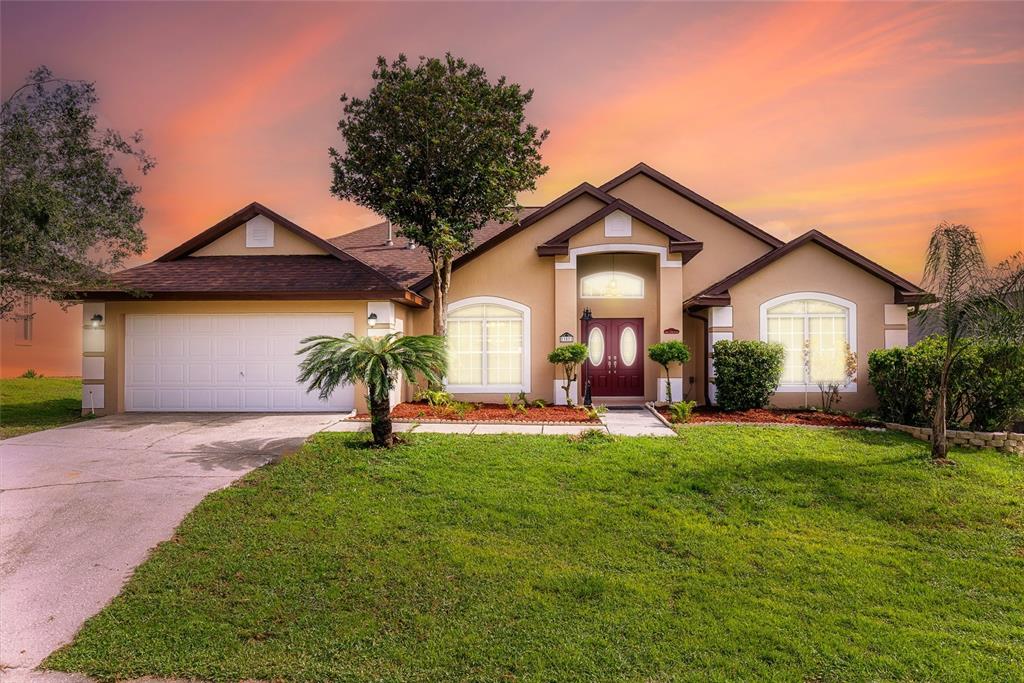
pixel 851 333
pixel 525 374
pixel 631 276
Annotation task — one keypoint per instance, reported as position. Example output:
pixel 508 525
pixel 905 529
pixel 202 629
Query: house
pixel 213 325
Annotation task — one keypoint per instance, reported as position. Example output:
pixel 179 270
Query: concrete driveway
pixel 81 506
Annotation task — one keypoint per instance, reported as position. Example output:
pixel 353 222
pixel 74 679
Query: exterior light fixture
pixel 371 319
pixel 587 315
pixel 566 338
pixel 97 320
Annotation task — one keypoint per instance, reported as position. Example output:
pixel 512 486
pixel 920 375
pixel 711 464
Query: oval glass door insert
pixel 627 346
pixel 595 344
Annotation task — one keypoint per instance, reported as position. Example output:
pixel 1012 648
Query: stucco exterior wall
pixel 512 270
pixel 114 333
pixel 812 268
pixel 286 243
pixel 726 247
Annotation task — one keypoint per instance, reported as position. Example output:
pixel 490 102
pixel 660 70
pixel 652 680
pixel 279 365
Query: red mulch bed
pixel 488 412
pixel 776 416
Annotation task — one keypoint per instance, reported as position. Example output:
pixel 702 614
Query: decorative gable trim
pixel 259 232
pixel 718 293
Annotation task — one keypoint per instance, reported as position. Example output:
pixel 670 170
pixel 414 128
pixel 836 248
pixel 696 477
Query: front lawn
pixel 729 554
pixel 29 405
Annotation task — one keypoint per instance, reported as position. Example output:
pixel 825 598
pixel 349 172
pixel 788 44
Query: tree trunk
pixel 380 422
pixel 442 278
pixel 668 385
pixel 939 448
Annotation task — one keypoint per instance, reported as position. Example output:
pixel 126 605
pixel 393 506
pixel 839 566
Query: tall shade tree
pixel 970 301
pixel 68 214
pixel 377 362
pixel 438 150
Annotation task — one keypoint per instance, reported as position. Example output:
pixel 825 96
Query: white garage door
pixel 225 362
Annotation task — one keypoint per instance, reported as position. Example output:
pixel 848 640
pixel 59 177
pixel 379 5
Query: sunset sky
pixel 871 122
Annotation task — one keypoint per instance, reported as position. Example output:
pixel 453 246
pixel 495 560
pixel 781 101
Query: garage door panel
pixel 225 362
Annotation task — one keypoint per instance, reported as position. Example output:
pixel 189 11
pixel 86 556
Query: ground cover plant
pixel 29 404
pixel 728 554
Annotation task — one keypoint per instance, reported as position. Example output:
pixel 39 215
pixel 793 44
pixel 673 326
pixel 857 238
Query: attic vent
pixel 259 232
pixel 618 224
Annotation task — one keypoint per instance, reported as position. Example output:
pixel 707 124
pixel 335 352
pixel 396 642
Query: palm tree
pixel 375 361
pixel 970 301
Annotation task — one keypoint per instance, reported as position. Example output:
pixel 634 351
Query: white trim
pixel 897 339
pixel 559 392
pixel 497 388
pixel 259 232
pixel 721 316
pixel 895 314
pixel 627 248
pixel 618 224
pixel 851 333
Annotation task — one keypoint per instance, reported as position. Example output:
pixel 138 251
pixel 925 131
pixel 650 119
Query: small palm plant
pixel 377 362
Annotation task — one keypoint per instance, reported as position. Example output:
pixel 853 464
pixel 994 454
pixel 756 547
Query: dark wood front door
pixel 616 363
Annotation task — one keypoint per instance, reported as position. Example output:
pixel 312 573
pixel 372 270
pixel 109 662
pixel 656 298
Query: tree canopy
pixel 439 150
pixel 68 213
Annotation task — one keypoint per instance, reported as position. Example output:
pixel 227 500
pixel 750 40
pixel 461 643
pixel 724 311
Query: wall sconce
pixel 566 338
pixel 371 319
pixel 97 321
pixel 587 316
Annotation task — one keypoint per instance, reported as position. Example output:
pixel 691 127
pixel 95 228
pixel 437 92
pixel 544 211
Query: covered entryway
pixel 225 363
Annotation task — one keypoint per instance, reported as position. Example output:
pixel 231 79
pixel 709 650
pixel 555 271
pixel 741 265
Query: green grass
pixel 29 405
pixel 729 554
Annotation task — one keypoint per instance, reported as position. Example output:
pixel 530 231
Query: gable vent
pixel 618 224
pixel 259 232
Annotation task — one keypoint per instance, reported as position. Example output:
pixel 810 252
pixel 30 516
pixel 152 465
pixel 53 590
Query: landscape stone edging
pixel 1007 442
pixel 654 409
pixel 405 420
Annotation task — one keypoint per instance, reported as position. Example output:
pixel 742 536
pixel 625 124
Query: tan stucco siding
pixel 286 243
pixel 513 270
pixel 726 247
pixel 114 333
pixel 812 268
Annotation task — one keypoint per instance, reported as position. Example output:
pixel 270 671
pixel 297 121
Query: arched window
pixel 488 346
pixel 822 326
pixel 611 285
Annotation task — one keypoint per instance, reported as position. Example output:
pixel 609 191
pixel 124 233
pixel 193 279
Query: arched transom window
pixel 487 345
pixel 611 285
pixel 817 331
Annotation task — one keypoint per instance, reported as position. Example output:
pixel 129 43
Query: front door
pixel 616 363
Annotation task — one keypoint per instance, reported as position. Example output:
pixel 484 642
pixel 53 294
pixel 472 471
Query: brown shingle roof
pixel 305 276
pixel 403 265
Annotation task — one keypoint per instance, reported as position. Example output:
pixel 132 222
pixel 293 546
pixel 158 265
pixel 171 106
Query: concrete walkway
pixel 639 422
pixel 467 428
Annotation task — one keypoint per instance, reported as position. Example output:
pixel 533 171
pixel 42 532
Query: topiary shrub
pixel 746 373
pixel 665 354
pixel 569 358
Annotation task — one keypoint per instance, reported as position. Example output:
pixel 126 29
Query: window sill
pixel 485 388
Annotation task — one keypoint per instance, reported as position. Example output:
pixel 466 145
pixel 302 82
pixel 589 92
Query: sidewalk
pixel 637 422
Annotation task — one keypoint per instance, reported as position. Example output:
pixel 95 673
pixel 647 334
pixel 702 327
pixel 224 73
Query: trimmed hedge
pixel 746 373
pixel 986 385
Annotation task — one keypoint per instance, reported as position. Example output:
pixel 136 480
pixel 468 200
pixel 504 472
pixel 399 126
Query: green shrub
pixel 681 411
pixel 30 374
pixel 986 384
pixel 746 373
pixel 436 398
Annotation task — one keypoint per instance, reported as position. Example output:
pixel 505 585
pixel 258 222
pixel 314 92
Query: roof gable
pixel 718 293
pixel 678 242
pixel 688 194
